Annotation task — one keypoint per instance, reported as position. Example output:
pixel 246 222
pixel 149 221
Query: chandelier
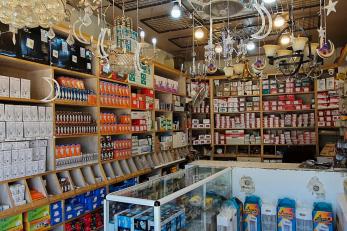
pixel 32 13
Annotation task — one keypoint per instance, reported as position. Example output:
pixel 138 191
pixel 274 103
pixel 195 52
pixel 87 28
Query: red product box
pixel 306 107
pixel 282 97
pixel 297 107
pixel 291 97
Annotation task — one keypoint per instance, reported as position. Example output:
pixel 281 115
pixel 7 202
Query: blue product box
pixel 69 215
pixel 286 220
pixel 56 220
pixel 252 214
pixel 323 217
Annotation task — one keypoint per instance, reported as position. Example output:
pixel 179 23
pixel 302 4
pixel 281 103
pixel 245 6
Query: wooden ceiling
pixel 175 35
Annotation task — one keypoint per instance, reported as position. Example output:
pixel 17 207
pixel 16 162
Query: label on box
pixel 74 58
pixel 82 52
pixel 44 36
pixel 55 54
pixel 30 43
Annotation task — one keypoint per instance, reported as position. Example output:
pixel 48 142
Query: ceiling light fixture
pixel 250 46
pixel 285 40
pixel 199 33
pixel 176 11
pixel 269 1
pixel 279 21
pixel 142 36
pixel 154 41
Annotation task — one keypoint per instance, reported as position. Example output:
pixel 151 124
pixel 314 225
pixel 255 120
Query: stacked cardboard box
pixel 286 103
pixel 246 120
pixel 237 104
pixel 273 86
pixel 290 137
pixel 235 137
pixel 328 118
pixel 289 120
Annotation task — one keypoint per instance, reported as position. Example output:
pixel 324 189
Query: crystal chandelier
pixel 32 13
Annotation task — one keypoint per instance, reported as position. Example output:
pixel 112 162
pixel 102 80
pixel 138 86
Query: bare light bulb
pixel 154 41
pixel 250 46
pixel 279 21
pixel 176 11
pixel 285 40
pixel 142 36
pixel 218 49
pixel 199 33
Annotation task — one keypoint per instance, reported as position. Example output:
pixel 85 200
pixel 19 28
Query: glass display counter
pixel 187 200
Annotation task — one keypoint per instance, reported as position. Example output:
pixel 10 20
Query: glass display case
pixel 189 199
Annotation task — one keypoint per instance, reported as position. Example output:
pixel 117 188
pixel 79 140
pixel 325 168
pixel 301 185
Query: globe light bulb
pixel 218 49
pixel 199 33
pixel 142 34
pixel 176 11
pixel 250 46
pixel 279 21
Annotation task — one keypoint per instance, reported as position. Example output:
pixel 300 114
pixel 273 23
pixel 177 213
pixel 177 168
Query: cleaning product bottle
pixel 323 219
pixel 286 215
pixel 252 214
pixel 304 217
pixel 268 216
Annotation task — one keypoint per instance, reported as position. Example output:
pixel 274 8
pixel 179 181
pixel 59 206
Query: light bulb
pixel 176 11
pixel 199 33
pixel 269 1
pixel 154 41
pixel 142 34
pixel 218 49
pixel 285 40
pixel 279 21
pixel 250 46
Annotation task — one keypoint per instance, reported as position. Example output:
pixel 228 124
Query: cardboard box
pixel 14 87
pixel 25 85
pixel 4 86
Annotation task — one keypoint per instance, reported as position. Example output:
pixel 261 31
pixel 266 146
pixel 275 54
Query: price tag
pixel 89 66
pixel 30 43
pixel 74 58
pixel 44 36
pixel 82 52
pixel 55 54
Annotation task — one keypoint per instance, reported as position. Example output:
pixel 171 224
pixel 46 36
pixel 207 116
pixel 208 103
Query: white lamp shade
pixel 271 50
pixel 299 43
pixel 239 68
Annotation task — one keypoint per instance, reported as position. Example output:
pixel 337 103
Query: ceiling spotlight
pixel 285 40
pixel 279 21
pixel 176 11
pixel 218 49
pixel 250 46
pixel 199 33
pixel 269 1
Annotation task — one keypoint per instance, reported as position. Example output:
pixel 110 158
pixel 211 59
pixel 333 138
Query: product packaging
pixel 268 217
pixel 323 218
pixel 252 214
pixel 304 218
pixel 286 215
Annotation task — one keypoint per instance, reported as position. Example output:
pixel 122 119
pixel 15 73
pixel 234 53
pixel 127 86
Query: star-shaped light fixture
pixel 331 7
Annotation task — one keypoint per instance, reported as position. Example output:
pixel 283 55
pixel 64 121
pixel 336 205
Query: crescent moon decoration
pixel 100 46
pixel 260 12
pixel 259 65
pixel 57 93
pixel 326 50
pixel 79 37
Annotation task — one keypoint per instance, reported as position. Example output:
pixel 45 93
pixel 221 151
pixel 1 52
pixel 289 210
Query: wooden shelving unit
pixel 262 155
pixel 104 170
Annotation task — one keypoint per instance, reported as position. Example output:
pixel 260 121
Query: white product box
pixel 4 86
pixel 35 167
pixel 42 143
pixel 42 165
pixel 25 88
pixel 42 153
pixel 21 169
pixel 11 132
pixel 29 168
pixel 7 172
pixel 2 112
pixel 206 121
pixel 34 113
pixel 1 158
pixel 2 131
pixel 15 156
pixel 43 129
pixel 26 113
pixel 21 156
pixel 19 130
pixel 49 129
pixel 42 114
pixel 28 129
pixel 1 172
pixel 14 171
pixel 14 87
pixel 9 112
pixel 18 113
pixel 28 154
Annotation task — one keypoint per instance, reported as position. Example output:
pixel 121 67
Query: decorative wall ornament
pixel 261 9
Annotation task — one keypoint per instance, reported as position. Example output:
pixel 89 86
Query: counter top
pixel 239 164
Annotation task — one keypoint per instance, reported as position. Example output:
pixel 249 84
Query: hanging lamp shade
pixel 271 50
pixel 299 43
